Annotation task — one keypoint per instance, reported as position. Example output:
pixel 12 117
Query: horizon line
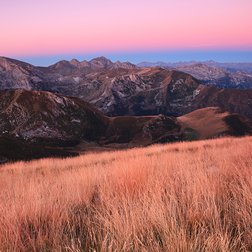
pixel 218 56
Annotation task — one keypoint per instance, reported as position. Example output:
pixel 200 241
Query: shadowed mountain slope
pixel 38 118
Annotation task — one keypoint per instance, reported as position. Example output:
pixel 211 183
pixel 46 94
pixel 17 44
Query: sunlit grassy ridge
pixel 179 197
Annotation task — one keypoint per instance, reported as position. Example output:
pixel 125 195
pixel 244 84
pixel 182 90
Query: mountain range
pixel 223 75
pixel 123 88
pixel 73 107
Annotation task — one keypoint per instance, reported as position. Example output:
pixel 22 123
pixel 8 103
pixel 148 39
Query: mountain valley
pixel 73 107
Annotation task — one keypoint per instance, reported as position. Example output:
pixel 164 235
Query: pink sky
pixel 36 27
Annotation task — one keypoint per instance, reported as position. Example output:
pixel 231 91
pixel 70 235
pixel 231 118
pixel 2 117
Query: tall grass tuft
pixel 176 197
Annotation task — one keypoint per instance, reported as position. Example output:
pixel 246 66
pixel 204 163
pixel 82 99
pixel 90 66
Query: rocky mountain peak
pixel 8 64
pixel 62 64
pixel 101 62
pixel 75 62
pixel 124 65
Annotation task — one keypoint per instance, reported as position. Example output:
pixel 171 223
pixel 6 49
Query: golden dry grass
pixel 179 197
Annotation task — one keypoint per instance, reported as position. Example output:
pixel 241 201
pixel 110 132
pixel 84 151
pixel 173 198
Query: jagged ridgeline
pixel 125 89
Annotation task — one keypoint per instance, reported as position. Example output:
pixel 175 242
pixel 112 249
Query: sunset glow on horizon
pixel 32 28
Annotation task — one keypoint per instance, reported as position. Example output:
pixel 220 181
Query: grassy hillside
pixel 179 197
